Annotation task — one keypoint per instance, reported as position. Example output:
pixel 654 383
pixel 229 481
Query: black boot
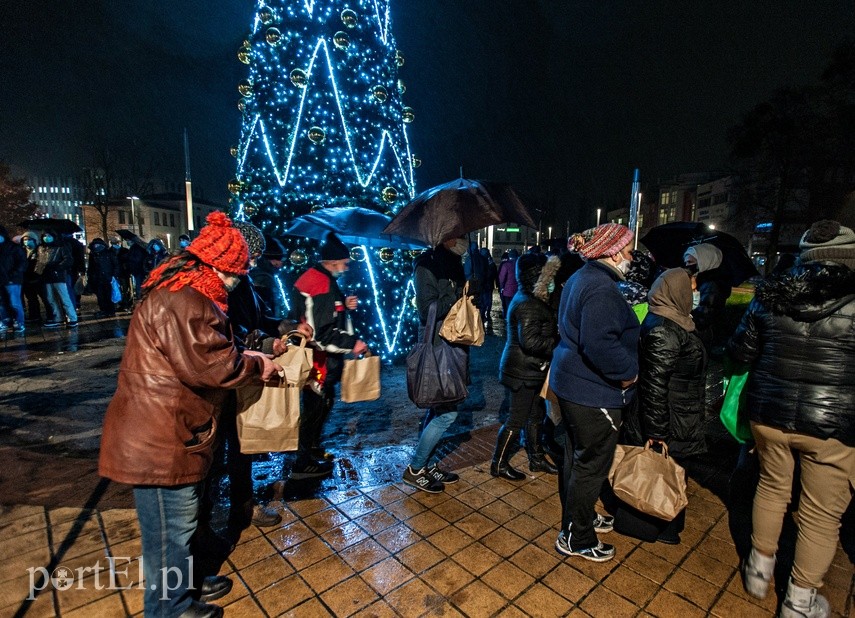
pixel 537 461
pixel 501 466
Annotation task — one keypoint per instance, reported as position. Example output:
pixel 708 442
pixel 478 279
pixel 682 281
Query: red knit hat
pixel 602 241
pixel 221 245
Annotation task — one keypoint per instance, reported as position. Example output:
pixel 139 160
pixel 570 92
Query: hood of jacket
pixel 808 292
pixel 546 277
pixel 442 263
pixel 528 269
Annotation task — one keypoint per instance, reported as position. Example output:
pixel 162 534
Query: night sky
pixel 563 99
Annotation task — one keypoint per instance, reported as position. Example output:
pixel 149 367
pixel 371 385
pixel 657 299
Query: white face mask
pixel 624 265
pixel 460 246
pixel 551 287
pixel 696 299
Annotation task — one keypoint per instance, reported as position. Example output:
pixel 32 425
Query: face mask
pixel 460 246
pixel 337 274
pixel 30 244
pixel 47 239
pixel 2 240
pixel 624 265
pixel 696 299
pixel 156 248
pixel 184 244
pixel 551 287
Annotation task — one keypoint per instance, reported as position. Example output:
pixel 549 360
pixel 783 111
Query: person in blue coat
pixel 593 373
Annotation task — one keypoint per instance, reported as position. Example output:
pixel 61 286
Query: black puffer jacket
pixel 799 336
pixel 103 264
pixel 672 363
pixel 532 324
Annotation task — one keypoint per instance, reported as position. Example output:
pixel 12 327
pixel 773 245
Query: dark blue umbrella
pixel 353 225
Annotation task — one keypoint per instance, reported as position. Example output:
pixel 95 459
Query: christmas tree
pixel 324 125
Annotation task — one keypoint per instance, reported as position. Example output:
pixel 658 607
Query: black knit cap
pixel 333 249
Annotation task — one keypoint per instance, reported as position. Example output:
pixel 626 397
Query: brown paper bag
pixel 296 362
pixel 360 380
pixel 649 481
pixel 463 323
pixel 268 419
pixel 553 410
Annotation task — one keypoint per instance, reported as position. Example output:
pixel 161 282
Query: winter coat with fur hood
pixel 532 325
pixel 798 334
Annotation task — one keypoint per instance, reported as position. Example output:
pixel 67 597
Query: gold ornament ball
pixel 299 78
pixel 245 54
pixel 414 253
pixel 298 257
pixel 386 254
pixel 357 254
pixel 416 160
pixel 389 194
pixel 402 87
pixel 408 115
pixel 273 36
pixel 267 16
pixel 234 186
pixel 233 150
pixel 242 105
pixel 349 18
pixel 341 40
pixel 399 58
pixel 317 135
pixel 245 88
pixel 316 207
pixel 250 209
pixel 380 93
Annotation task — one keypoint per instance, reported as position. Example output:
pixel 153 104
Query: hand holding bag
pixel 436 373
pixel 360 380
pixel 268 414
pixel 649 481
pixel 463 323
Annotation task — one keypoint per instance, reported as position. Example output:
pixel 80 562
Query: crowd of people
pixel 622 344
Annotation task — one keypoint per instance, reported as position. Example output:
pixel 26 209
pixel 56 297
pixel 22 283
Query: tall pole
pixel 599 211
pixel 635 203
pixel 188 187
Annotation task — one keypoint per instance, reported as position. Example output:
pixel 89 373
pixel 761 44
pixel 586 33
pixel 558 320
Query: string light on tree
pixel 324 124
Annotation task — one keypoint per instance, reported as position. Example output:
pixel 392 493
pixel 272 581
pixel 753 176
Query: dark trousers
pixel 594 435
pixel 34 291
pixel 104 294
pixel 314 413
pixel 527 407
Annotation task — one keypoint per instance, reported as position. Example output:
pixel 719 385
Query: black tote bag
pixel 437 372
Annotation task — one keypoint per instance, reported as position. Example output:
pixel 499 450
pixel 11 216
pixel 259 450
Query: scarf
pixel 203 279
pixel 671 297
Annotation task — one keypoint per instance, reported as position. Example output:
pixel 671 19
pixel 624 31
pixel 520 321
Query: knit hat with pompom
pixel 828 241
pixel 221 245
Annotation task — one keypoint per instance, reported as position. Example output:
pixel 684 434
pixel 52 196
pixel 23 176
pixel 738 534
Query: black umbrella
pixel 669 242
pixel 457 208
pixel 130 237
pixel 60 226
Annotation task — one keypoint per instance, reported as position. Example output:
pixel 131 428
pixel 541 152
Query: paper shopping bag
pixel 268 419
pixel 296 362
pixel 463 323
pixel 649 481
pixel 360 380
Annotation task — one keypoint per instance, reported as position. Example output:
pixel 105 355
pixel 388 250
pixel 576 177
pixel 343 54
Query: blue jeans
pixel 13 302
pixel 430 436
pixel 167 518
pixel 57 294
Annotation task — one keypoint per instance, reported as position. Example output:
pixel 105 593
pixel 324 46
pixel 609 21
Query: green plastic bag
pixel 733 414
pixel 640 311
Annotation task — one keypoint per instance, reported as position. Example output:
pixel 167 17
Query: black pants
pixel 593 433
pixel 527 406
pixel 316 408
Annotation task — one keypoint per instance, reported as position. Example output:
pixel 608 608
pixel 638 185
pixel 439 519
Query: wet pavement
pixel 360 542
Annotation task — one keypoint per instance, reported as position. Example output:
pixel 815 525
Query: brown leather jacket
pixel 179 361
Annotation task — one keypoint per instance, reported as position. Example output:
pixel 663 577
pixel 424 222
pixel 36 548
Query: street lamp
pixel 133 215
pixel 599 210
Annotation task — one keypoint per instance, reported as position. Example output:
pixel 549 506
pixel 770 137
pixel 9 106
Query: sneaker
pixel 72 324
pixel 421 479
pixel 446 478
pixel 604 523
pixel 601 552
pixel 757 572
pixel 19 328
pixel 320 454
pixel 50 325
pixel 265 516
pixel 311 469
